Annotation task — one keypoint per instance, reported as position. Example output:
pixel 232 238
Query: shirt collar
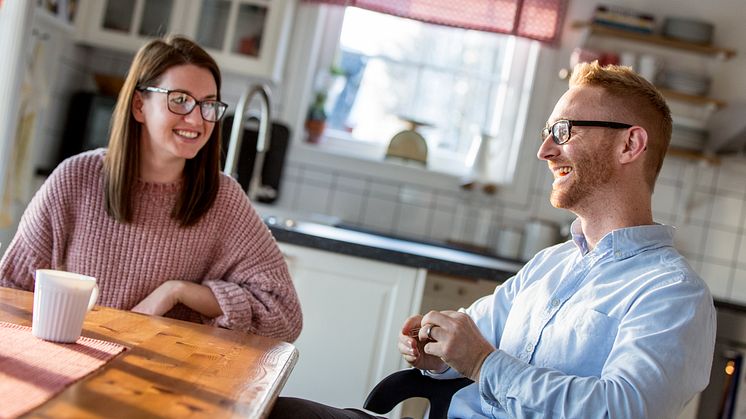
pixel 625 242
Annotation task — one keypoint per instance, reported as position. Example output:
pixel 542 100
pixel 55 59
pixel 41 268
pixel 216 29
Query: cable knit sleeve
pixel 33 245
pixel 255 293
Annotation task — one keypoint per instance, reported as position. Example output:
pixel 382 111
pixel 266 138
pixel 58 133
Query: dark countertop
pixel 403 252
pixel 386 249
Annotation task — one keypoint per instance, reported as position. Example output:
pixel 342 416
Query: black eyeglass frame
pixel 220 109
pixel 550 129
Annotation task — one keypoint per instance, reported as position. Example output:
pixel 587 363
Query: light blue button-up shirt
pixel 626 330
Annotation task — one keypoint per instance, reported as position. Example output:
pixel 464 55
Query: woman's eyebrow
pixel 210 96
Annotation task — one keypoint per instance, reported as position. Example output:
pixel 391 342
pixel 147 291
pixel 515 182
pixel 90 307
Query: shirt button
pixel 555 302
pixel 618 254
pixel 529 347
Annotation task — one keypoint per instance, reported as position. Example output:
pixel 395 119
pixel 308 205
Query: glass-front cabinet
pixel 128 24
pixel 244 36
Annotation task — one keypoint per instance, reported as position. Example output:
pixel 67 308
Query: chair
pixel 404 384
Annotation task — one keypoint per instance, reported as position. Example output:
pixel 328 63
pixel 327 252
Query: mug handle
pixel 94 297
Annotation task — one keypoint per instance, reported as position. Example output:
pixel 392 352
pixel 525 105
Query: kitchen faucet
pixel 262 141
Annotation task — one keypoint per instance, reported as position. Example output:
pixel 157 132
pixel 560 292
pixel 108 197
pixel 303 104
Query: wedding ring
pixel 429 330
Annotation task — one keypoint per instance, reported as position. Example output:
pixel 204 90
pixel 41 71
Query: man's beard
pixel 589 173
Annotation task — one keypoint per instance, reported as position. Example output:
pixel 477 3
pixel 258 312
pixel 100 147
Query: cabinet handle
pixel 461 291
pixel 437 287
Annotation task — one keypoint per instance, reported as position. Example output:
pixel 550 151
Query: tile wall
pixel 704 202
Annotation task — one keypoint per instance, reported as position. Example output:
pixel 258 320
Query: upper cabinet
pixel 127 24
pixel 244 36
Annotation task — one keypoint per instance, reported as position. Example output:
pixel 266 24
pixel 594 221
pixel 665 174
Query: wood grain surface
pixel 172 368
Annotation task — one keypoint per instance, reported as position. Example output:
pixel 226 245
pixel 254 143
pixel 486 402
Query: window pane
pixel 249 29
pixel 383 97
pixel 466 84
pixel 155 17
pixel 118 15
pixel 376 34
pixel 397 69
pixel 431 105
pixel 213 23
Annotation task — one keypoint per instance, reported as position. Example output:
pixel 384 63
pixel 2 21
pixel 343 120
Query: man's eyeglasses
pixel 182 103
pixel 561 130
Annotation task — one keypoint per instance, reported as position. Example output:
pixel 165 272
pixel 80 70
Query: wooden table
pixel 172 368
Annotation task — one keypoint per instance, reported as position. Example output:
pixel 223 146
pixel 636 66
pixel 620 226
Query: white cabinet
pixel 127 24
pixel 353 309
pixel 244 36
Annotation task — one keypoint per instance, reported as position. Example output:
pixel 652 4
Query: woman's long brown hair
pixel 122 161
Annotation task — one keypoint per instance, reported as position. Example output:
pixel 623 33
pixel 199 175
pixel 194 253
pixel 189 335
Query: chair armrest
pixel 408 383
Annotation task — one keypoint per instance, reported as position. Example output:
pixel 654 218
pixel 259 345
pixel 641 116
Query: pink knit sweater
pixel 229 250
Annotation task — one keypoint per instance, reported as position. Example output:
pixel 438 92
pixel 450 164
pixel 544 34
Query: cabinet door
pixel 128 24
pixel 245 36
pixel 353 309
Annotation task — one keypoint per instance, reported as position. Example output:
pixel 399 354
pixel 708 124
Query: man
pixel 613 323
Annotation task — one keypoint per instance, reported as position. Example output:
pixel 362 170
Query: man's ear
pixel 635 144
pixel 137 104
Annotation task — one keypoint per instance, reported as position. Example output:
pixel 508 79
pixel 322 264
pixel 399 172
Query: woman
pixel 152 218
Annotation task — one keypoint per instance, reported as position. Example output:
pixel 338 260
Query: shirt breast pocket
pixel 580 343
pixel 593 324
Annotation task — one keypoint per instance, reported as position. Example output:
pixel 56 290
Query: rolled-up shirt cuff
pixel 497 375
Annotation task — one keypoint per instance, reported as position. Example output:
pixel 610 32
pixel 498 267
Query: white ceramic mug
pixel 537 235
pixel 509 243
pixel 61 301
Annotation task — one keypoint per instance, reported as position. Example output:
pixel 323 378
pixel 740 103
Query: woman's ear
pixel 636 142
pixel 137 104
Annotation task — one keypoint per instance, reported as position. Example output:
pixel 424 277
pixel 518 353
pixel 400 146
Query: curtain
pixel 534 19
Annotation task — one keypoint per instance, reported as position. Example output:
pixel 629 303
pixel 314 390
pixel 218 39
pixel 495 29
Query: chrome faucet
pixel 262 140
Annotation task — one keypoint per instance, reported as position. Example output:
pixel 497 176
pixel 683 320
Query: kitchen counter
pixel 392 250
pixel 403 252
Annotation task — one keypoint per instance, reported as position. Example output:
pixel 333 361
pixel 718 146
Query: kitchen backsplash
pixel 704 202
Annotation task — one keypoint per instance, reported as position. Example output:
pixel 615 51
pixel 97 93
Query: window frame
pixel 324 24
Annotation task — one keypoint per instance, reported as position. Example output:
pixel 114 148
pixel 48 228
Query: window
pixel 457 85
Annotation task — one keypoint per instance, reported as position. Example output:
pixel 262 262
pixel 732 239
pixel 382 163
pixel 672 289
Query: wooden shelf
pixel 692 155
pixel 722 53
pixel 565 74
pixel 695 100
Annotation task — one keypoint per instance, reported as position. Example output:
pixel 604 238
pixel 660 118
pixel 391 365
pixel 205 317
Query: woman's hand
pixel 195 296
pixel 161 300
pixel 411 347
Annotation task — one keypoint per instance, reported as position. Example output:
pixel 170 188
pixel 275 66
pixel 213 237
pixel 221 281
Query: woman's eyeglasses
pixel 561 130
pixel 182 103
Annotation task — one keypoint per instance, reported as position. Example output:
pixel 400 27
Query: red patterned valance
pixel 533 19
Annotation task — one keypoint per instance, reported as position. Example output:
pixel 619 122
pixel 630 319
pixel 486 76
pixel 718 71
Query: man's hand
pixel 161 300
pixel 456 340
pixel 412 350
